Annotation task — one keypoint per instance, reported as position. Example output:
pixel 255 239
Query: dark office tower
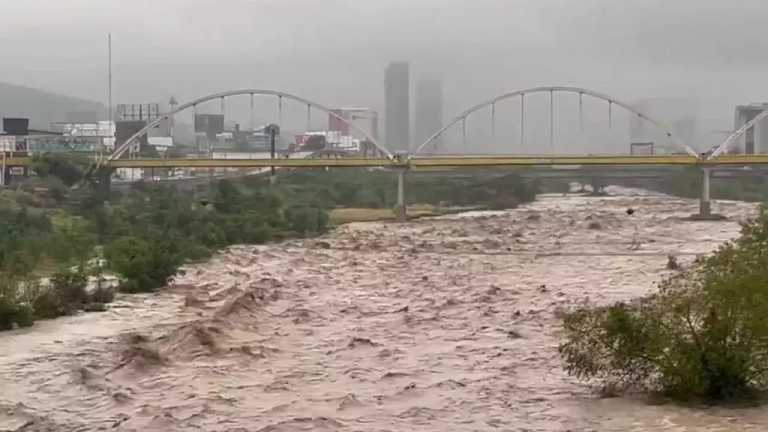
pixel 398 115
pixel 429 111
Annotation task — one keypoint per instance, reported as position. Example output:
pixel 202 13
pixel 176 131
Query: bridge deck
pixel 432 162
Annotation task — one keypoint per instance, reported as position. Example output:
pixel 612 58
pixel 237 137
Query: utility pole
pixel 273 131
pixel 2 171
pixel 173 103
pixel 109 77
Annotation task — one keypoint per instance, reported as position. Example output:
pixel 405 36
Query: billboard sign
pixel 148 112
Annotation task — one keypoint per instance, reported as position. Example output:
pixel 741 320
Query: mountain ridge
pixel 43 107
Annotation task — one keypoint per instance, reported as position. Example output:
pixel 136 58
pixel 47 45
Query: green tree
pixel 704 334
pixel 306 220
pixel 145 265
pixel 228 198
pixel 70 287
pixel 14 307
pixel 69 168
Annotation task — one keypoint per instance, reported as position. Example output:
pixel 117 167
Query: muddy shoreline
pixel 445 323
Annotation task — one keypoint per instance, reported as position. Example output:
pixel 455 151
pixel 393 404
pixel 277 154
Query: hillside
pixel 42 107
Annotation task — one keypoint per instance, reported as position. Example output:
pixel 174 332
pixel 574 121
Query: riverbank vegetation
pixel 702 335
pixel 144 233
pixel 687 183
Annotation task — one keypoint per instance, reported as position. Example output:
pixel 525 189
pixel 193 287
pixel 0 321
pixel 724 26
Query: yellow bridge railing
pixel 431 162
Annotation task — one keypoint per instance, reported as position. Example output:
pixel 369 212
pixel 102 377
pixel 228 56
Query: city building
pixel 62 138
pixel 90 136
pixel 244 141
pixel 326 140
pixel 207 129
pixel 755 140
pixel 364 119
pixel 398 114
pixel 429 110
pixel 130 118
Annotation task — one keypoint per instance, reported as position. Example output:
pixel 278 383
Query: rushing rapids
pixel 440 324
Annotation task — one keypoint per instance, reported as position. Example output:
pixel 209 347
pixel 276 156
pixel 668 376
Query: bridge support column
pixel 705 203
pixel 402 210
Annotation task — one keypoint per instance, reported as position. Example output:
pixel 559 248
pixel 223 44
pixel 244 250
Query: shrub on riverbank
pixel 704 334
pixel 71 286
pixel 686 183
pixel 144 265
pixel 66 294
pixel 14 309
pixel 148 232
pixel 377 189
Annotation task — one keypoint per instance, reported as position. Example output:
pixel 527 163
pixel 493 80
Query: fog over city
pixel 336 51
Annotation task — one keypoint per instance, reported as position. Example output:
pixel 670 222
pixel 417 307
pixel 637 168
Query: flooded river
pixel 445 324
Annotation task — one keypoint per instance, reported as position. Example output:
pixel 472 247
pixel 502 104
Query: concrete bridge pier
pixel 402 210
pixel 705 205
pixel 705 202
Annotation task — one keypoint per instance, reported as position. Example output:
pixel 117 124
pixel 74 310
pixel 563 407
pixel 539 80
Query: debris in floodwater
pixel 672 263
pixel 361 341
pixel 322 245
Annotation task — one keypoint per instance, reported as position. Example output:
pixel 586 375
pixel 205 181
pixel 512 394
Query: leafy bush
pixel 70 286
pixel 687 183
pixel 70 169
pixel 704 334
pixel 102 295
pixel 47 304
pixel 306 220
pixel 14 314
pixel 14 307
pixel 145 265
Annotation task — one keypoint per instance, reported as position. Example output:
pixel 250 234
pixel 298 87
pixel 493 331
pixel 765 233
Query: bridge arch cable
pixel 125 146
pixel 737 135
pixel 676 142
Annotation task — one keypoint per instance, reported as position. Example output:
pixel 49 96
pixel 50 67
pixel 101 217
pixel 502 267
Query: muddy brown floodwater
pixel 445 324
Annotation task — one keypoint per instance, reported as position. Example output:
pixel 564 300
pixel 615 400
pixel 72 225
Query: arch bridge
pixel 420 159
pixel 130 144
pixel 673 141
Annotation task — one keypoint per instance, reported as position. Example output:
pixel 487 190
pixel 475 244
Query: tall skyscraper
pixel 429 110
pixel 398 114
pixel 755 141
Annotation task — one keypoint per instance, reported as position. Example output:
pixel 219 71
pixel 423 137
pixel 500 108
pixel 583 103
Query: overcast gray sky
pixel 335 51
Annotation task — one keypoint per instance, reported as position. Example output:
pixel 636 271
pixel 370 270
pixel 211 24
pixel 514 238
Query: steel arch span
pixel 738 134
pixel 122 148
pixel 558 89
